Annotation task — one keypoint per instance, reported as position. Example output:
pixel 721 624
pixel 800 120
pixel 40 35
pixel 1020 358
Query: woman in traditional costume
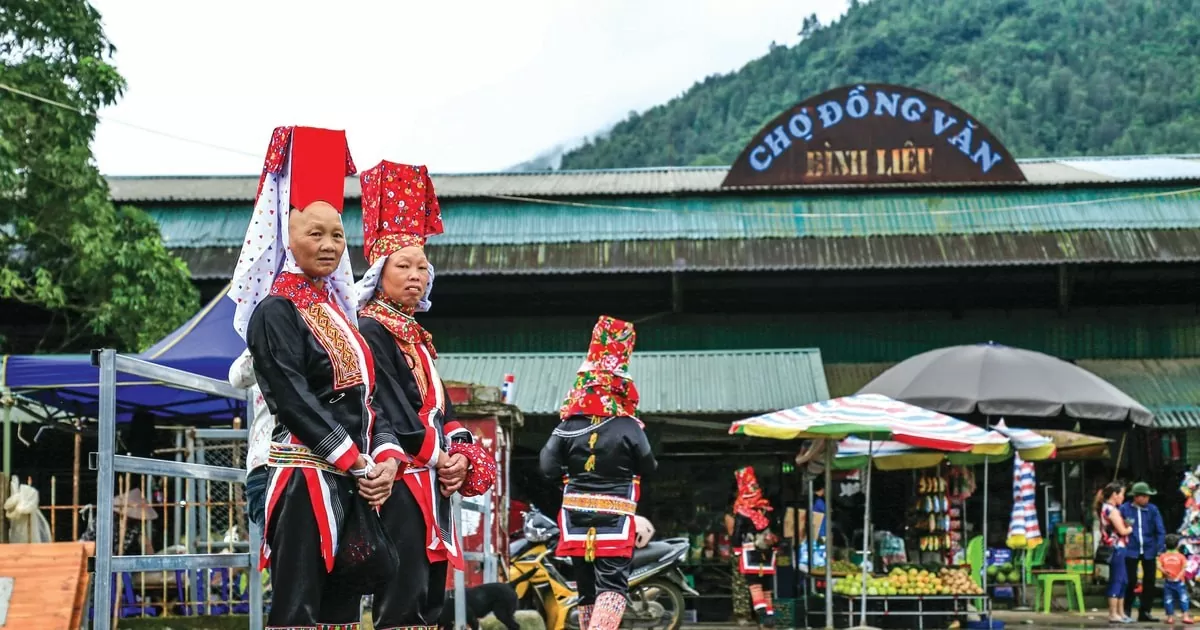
pixel 400 210
pixel 601 452
pixel 754 544
pixel 295 308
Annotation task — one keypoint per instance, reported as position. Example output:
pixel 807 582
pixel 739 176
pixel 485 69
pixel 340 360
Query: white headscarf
pixel 260 261
pixel 370 283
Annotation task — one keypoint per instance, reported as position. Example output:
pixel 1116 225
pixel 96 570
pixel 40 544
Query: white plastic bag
pixel 26 524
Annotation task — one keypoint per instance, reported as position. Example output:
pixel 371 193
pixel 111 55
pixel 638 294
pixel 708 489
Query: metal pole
pixel 253 575
pixel 8 440
pixel 983 569
pixel 1062 497
pixel 809 542
pixel 178 509
pixel 830 447
pixel 489 558
pixel 190 518
pixel 987 425
pixel 460 588
pixel 866 531
pixel 102 598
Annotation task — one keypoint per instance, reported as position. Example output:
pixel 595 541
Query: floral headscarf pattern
pixel 750 502
pixel 603 387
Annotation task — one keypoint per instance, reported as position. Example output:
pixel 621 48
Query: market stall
pixel 870 419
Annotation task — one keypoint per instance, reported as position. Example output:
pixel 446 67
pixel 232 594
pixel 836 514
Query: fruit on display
pixel 845 566
pixel 910 581
pixel 960 582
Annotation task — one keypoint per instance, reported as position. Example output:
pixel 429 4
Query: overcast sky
pixel 460 86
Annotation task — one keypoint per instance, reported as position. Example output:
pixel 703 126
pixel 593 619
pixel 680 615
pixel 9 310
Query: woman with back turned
pixel 601 450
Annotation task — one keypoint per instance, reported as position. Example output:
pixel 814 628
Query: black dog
pixel 497 599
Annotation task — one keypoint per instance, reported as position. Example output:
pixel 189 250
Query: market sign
pixel 873 134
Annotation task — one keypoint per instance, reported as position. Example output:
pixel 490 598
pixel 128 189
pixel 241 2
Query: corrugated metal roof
pixel 880 252
pixel 1168 387
pixel 1134 332
pixel 749 217
pixel 706 382
pixel 845 379
pixel 1140 169
pixel 641 181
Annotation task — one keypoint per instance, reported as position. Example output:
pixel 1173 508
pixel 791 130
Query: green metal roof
pixel 706 382
pixel 776 254
pixel 1168 387
pixel 699 217
pixel 1125 333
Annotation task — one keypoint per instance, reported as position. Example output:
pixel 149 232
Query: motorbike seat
pixel 652 552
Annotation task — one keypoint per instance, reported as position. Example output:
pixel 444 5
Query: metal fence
pixel 214 473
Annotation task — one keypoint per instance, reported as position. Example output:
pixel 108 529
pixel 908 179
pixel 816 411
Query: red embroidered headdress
pixel 302 165
pixel 603 387
pixel 400 209
pixel 750 502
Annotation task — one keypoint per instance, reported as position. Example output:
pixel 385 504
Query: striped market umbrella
pixel 891 455
pixel 1032 445
pixel 874 417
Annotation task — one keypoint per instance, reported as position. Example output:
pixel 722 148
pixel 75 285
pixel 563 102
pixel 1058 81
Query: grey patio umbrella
pixel 995 380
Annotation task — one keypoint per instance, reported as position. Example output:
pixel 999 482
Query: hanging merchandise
pixel 932 515
pixel 962 486
pixel 1023 530
pixel 962 483
pixel 1190 528
pixel 851 485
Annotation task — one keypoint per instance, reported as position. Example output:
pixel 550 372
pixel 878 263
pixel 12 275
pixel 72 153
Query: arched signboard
pixel 872 134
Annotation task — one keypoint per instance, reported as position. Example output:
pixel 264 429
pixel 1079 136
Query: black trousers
pixel 604 575
pixel 303 596
pixel 1149 567
pixel 416 595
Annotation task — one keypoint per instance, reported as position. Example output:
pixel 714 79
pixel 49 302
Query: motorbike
pixel 656 583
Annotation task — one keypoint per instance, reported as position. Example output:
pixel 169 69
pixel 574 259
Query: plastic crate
pixel 785 613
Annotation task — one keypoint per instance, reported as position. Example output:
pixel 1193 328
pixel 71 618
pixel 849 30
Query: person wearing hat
pixel 131 529
pixel 600 451
pixel 1145 543
pixel 754 544
pixel 400 210
pixel 294 306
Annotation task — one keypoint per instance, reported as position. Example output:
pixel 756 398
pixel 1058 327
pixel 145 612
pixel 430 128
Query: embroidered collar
pixel 400 322
pixel 299 290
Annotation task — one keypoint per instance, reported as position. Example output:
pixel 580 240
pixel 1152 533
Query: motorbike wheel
pixel 668 596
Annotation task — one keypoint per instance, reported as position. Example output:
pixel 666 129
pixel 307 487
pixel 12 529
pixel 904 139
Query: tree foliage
pixel 100 272
pixel 1063 78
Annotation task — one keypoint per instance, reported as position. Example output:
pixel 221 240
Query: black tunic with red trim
pixel 603 460
pixel 417 387
pixel 317 376
pixel 751 559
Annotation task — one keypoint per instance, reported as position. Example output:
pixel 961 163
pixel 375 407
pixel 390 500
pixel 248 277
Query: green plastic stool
pixel 1046 582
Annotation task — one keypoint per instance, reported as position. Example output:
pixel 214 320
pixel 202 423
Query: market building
pixel 899 226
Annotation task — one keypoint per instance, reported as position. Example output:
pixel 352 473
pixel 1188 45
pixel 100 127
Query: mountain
pixel 1049 78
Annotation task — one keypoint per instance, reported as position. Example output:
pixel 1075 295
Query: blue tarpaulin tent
pixel 206 344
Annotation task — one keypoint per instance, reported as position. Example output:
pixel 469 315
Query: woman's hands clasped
pixel 376 486
pixel 452 472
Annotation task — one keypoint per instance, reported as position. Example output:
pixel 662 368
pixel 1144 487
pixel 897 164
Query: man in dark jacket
pixel 1145 543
